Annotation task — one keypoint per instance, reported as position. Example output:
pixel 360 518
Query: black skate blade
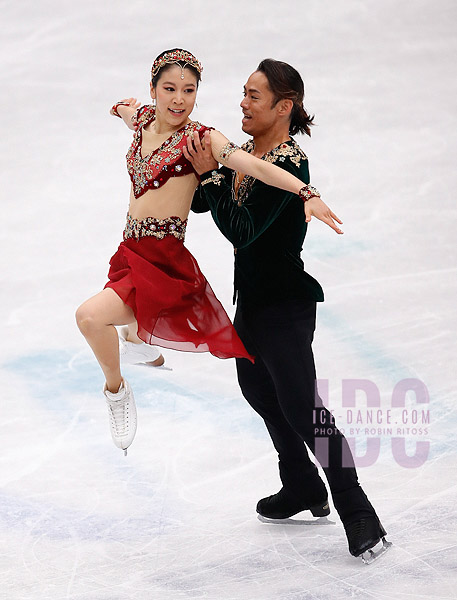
pixel 290 521
pixel 376 552
pixel 125 452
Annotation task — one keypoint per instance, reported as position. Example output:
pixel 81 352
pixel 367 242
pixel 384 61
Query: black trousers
pixel 281 388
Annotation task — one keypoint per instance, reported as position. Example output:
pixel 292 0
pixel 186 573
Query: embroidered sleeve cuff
pixel 114 108
pixel 211 177
pixel 307 192
pixel 227 149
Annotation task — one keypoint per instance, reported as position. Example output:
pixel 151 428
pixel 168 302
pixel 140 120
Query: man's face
pixel 259 115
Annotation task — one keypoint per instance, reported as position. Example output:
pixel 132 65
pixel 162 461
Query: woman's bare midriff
pixel 171 200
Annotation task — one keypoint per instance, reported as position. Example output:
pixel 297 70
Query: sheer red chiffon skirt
pixel 173 303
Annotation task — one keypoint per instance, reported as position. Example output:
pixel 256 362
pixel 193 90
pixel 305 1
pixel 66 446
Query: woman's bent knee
pixel 104 309
pixel 87 319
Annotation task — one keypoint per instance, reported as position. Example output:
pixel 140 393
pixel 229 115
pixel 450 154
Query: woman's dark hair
pixel 285 82
pixel 167 66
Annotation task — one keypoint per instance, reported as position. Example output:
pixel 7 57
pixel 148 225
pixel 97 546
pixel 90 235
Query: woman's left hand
pixel 315 207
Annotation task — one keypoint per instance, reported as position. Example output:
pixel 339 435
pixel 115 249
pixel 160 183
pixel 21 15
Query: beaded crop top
pixel 168 160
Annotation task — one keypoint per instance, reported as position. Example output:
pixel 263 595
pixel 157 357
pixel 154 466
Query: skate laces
pixel 130 348
pixel 119 416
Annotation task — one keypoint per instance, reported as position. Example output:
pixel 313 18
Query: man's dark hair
pixel 285 82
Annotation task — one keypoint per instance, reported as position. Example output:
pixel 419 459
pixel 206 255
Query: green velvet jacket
pixel 267 228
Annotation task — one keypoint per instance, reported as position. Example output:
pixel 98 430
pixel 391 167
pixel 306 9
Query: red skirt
pixel 173 303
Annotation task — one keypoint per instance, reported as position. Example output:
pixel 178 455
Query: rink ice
pixel 176 518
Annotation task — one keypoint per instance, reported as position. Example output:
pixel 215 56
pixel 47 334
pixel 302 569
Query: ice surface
pixel 176 519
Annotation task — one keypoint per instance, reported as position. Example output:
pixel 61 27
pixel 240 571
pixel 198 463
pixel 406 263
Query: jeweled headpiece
pixel 176 56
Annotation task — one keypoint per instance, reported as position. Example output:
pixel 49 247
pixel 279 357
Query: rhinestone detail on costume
pixel 227 149
pixel 155 169
pixel 158 228
pixel 215 178
pixel 307 192
pixel 287 150
pixel 174 56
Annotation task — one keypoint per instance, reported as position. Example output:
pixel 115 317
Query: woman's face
pixel 175 97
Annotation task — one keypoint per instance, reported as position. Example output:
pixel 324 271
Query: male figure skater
pixel 276 306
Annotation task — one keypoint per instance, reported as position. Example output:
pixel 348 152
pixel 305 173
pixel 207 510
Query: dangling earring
pixel 153 103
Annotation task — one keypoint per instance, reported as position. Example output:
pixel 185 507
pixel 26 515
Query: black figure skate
pixel 366 538
pixel 283 505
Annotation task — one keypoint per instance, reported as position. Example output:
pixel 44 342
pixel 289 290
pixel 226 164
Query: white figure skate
pixel 135 354
pixel 122 415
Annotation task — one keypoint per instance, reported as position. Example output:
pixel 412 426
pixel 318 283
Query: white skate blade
pixel 377 551
pixel 290 521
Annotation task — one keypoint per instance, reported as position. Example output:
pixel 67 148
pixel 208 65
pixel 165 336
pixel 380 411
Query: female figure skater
pixel 155 286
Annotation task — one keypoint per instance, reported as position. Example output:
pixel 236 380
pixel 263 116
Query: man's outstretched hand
pixel 199 154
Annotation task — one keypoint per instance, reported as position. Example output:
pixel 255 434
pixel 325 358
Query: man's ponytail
pixel 285 82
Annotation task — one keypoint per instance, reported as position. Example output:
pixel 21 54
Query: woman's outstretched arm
pixel 245 163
